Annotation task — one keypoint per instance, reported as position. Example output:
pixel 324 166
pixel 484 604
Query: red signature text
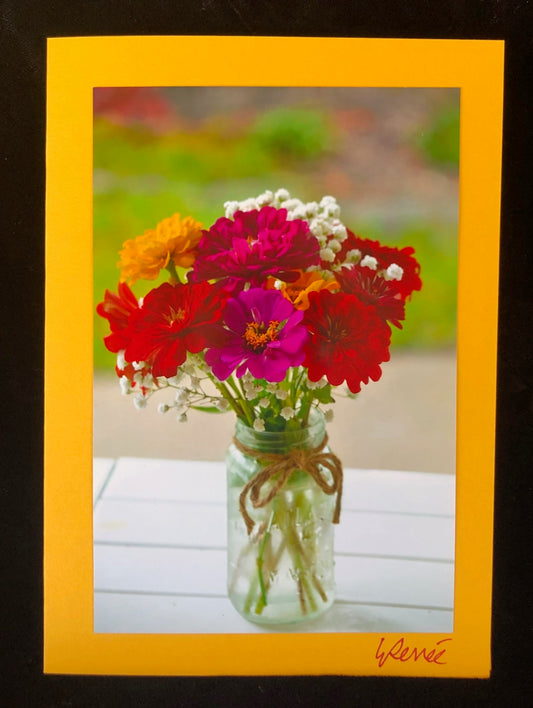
pixel 400 651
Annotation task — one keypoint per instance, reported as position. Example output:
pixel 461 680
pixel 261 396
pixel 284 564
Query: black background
pixel 25 24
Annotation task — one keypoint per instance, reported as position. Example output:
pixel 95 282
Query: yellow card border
pixel 75 66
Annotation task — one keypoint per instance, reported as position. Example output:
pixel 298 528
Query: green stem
pixel 260 558
pixel 299 378
pixel 227 395
pixel 247 409
pixel 307 400
pixel 273 564
pixel 172 270
pixel 293 388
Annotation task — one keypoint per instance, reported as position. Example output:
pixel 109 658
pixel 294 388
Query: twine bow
pixel 283 465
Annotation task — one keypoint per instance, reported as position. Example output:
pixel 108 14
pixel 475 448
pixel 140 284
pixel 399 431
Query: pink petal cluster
pixel 253 246
pixel 263 335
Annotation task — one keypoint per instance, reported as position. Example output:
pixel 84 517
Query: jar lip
pixel 315 426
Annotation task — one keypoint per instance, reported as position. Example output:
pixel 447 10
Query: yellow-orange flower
pixel 298 291
pixel 173 239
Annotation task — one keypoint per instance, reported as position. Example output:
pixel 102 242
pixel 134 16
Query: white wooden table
pixel 160 560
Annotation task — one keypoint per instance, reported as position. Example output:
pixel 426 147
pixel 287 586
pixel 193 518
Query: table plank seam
pixel 155 500
pixel 337 601
pixel 104 485
pixel 344 554
pixel 200 502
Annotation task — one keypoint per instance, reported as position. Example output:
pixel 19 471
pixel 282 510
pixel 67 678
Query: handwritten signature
pixel 400 651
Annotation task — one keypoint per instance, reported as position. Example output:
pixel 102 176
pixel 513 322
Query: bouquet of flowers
pixel 266 313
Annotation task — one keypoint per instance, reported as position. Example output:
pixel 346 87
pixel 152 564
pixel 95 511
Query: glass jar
pixel 282 571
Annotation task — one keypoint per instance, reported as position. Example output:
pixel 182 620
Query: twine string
pixel 282 465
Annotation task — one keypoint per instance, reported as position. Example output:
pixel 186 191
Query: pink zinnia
pixel 253 246
pixel 263 334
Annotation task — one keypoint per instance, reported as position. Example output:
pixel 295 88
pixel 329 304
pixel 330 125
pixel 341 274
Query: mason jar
pixel 281 570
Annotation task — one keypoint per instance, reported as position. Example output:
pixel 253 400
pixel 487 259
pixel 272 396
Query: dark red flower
pixel 174 320
pixel 117 310
pixel 386 256
pixel 348 340
pixel 373 289
pixel 253 246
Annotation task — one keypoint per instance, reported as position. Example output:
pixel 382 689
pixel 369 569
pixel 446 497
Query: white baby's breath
pixel 125 385
pixel 287 412
pixel 121 362
pixel 316 384
pixel 339 231
pixel 264 199
pixel 353 256
pixel 281 195
pixel 369 262
pixel 139 401
pixel 326 254
pixel 230 209
pixel 394 272
pixel 182 395
pixel 175 380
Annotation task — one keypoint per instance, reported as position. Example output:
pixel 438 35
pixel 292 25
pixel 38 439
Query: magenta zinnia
pixel 173 320
pixel 348 340
pixel 263 334
pixel 253 246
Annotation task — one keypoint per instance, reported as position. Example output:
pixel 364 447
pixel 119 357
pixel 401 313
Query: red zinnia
pixel 174 320
pixel 386 256
pixel 373 289
pixel 348 340
pixel 117 310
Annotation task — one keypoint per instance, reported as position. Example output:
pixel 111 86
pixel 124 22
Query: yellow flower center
pixel 175 315
pixel 257 335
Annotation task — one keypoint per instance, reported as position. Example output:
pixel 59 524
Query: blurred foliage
pixel 292 133
pixel 140 179
pixel 439 143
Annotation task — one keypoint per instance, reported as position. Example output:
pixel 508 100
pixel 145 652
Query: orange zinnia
pixel 298 291
pixel 173 239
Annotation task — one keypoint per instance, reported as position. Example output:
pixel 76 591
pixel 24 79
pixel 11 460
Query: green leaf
pixel 207 409
pixel 323 395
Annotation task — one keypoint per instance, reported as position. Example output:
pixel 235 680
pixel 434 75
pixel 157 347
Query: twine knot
pixel 283 465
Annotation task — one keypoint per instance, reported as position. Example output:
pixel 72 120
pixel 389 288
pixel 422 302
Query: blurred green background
pixel 389 156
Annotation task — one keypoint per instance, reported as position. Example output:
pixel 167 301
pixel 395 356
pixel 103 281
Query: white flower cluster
pixel 393 272
pixel 316 384
pixel 323 217
pixel 142 384
pixel 324 222
pixel 188 383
